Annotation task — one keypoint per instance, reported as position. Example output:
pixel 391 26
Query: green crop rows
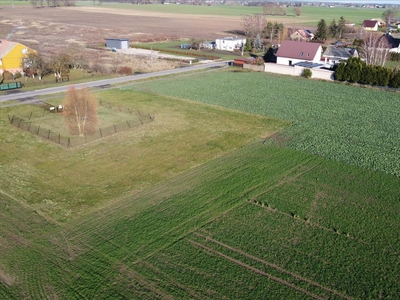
pixel 360 126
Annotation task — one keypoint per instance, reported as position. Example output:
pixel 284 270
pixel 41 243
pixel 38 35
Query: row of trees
pixel 334 30
pixel 358 71
pixel 52 3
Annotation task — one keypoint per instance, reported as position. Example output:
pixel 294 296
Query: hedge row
pixel 357 71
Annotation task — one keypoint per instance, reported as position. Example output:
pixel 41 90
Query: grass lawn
pixel 183 135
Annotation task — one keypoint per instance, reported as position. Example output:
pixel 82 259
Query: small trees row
pixel 357 71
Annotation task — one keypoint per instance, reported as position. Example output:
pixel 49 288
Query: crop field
pixel 257 221
pixel 355 125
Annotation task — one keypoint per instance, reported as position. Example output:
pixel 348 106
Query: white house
pixel 292 52
pixel 370 25
pixel 229 43
pixel 336 54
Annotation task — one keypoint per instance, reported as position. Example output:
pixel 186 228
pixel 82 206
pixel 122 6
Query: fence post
pixel 128 124
pixel 140 119
pixel 19 123
pixel 69 143
pixel 30 116
pixel 59 139
pixel 48 135
pixel 38 129
pixel 101 134
pixel 115 129
pixel 129 110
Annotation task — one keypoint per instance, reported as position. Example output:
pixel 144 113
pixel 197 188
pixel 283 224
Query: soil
pixel 78 31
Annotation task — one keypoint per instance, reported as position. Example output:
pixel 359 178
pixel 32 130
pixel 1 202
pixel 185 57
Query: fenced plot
pixel 48 124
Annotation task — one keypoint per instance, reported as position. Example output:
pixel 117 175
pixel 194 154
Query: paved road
pixel 99 83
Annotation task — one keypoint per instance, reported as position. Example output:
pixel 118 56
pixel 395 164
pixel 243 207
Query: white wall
pixel 297 71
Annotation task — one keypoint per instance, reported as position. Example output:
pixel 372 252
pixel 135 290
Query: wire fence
pixel 134 119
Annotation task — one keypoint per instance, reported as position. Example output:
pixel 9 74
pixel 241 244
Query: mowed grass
pixel 355 125
pixel 66 182
pixel 205 234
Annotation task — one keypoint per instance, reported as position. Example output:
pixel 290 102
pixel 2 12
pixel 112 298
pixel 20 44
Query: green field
pixel 245 186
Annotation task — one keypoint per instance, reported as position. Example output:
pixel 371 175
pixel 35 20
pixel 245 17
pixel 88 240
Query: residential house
pixel 117 43
pixel 292 52
pixel 230 43
pixel 370 25
pixel 393 42
pixel 301 35
pixel 11 56
pixel 335 54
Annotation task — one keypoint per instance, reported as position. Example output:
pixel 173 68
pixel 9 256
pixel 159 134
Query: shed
pixel 117 43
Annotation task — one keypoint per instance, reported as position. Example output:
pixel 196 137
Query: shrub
pixel 259 61
pixel 394 81
pixel 125 71
pixel 7 75
pixel 307 73
pixel 17 75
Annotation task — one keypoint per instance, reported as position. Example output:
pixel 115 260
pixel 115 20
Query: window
pixel 308 54
pixel 301 53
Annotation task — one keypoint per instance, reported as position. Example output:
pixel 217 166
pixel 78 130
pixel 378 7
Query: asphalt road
pixel 30 95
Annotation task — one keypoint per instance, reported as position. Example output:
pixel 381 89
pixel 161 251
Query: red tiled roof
pixel 299 50
pixel 369 23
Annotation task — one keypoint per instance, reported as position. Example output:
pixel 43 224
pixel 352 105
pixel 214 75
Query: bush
pixel 17 75
pixel 7 75
pixel 307 73
pixel 125 71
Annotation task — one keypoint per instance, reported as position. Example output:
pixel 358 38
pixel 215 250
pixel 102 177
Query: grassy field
pixel 355 125
pixel 328 230
pixel 183 135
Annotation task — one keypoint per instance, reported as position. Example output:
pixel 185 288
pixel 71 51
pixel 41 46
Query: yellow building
pixel 11 55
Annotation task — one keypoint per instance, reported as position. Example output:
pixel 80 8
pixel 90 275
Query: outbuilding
pixel 117 43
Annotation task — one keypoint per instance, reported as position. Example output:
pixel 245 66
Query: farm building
pixel 239 62
pixel 229 43
pixel 370 25
pixel 11 56
pixel 292 52
pixel 335 54
pixel 117 43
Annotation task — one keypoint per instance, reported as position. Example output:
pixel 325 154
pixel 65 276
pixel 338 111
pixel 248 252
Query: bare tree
pixel 388 15
pixel 375 50
pixel 60 65
pixel 34 3
pixel 253 25
pixel 297 11
pixel 80 111
pixel 34 64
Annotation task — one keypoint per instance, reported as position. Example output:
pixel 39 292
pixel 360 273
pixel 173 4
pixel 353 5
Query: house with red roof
pixel 292 52
pixel 370 25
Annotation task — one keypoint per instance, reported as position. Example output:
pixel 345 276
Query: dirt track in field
pixel 55 27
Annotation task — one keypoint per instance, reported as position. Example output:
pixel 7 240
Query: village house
pixel 11 56
pixel 335 54
pixel 302 35
pixel 292 52
pixel 230 43
pixel 370 25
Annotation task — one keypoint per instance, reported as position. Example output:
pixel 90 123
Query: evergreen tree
pixel 257 42
pixel 394 81
pixel 322 31
pixel 341 27
pixel 353 70
pixel 340 72
pixel 332 29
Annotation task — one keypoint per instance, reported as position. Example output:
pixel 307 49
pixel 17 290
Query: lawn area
pixel 351 124
pixel 184 134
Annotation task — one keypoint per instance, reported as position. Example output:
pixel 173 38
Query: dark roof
pixel 340 52
pixel 369 23
pixel 298 50
pixel 394 42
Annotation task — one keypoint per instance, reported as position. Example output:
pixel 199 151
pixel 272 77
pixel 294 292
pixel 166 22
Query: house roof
pixel 339 52
pixel 394 42
pixel 298 50
pixel 369 23
pixel 5 47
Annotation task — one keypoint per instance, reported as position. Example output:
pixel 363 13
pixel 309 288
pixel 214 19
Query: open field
pixel 183 135
pixel 351 124
pixel 259 220
pixel 245 186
